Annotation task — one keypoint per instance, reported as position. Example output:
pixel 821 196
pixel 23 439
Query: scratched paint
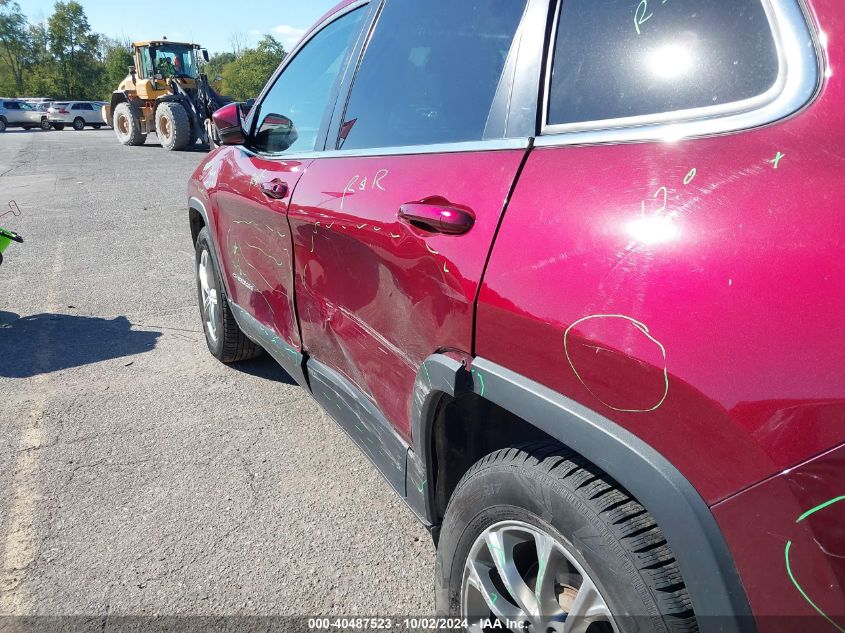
pixel 789 572
pixel 776 160
pixel 568 345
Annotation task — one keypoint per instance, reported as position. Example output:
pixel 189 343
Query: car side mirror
pixel 229 124
pixel 205 54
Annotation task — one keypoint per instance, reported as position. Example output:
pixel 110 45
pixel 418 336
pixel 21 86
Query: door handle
pixel 437 216
pixel 276 189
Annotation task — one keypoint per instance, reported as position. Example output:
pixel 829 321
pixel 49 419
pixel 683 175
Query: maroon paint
pixel 252 233
pixel 760 521
pixel 374 300
pixel 731 295
pixel 743 288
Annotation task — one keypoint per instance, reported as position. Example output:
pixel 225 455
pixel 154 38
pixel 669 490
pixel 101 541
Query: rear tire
pixel 96 126
pixel 58 126
pixel 173 126
pixel 597 535
pixel 79 124
pixel 2 124
pixel 45 124
pixel 26 128
pixel 225 340
pixel 127 124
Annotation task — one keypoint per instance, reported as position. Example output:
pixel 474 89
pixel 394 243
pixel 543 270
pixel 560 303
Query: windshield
pixel 174 60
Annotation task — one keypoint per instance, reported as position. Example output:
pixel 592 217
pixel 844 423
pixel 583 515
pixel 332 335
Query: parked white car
pixel 16 113
pixel 76 113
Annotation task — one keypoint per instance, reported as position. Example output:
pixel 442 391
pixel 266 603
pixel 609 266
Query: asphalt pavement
pixel 138 475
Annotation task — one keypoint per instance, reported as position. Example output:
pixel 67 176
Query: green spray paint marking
pixel 821 506
pixel 493 598
pixel 500 553
pixel 422 485
pixel 427 377
pixel 789 568
pixel 480 379
pixel 776 159
pixel 540 567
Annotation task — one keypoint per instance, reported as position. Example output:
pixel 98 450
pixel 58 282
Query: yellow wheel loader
pixel 165 93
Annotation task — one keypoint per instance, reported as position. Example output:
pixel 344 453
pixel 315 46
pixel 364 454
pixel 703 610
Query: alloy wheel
pixel 209 296
pixel 523 577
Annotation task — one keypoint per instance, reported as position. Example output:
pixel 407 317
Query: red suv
pixel 571 274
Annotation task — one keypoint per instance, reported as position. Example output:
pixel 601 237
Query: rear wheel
pixel 79 124
pixel 58 126
pixel 225 340
pixel 127 124
pixel 45 124
pixel 173 126
pixel 96 126
pixel 538 536
pixel 2 124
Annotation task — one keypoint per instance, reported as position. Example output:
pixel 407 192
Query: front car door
pixel 423 132
pixel 252 233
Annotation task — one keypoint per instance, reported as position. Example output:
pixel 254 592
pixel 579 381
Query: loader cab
pixel 158 61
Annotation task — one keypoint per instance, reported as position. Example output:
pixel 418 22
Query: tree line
pixel 63 58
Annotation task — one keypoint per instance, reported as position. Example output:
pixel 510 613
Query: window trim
pixel 252 119
pixel 797 83
pixel 496 133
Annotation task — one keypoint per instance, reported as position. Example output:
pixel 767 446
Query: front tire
pixel 45 124
pixel 2 124
pixel 224 338
pixel 173 126
pixel 96 126
pixel 538 535
pixel 127 124
pixel 79 124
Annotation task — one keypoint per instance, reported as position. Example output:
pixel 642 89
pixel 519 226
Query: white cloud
pixel 288 35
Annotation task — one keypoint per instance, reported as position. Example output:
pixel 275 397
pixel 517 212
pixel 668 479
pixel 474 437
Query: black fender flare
pixel 705 561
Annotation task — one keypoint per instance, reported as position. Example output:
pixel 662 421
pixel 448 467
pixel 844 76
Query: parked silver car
pixel 76 113
pixel 16 113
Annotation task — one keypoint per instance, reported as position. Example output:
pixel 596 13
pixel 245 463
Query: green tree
pixel 244 77
pixel 43 75
pixel 215 65
pixel 74 47
pixel 15 42
pixel 117 58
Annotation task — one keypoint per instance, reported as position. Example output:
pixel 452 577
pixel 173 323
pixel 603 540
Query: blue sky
pixel 211 23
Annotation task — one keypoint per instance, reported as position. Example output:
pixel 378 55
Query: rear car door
pixel 29 113
pixel 249 186
pixel 393 223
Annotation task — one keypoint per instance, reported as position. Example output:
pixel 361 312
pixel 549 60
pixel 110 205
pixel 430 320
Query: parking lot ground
pixel 138 475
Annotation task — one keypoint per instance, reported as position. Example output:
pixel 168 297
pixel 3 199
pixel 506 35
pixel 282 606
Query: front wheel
pixel 225 340
pixel 127 124
pixel 79 124
pixel 96 126
pixel 2 124
pixel 173 126
pixel 45 124
pixel 537 538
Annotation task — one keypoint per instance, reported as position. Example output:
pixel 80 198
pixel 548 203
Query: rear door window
pixel 616 58
pixel 430 72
